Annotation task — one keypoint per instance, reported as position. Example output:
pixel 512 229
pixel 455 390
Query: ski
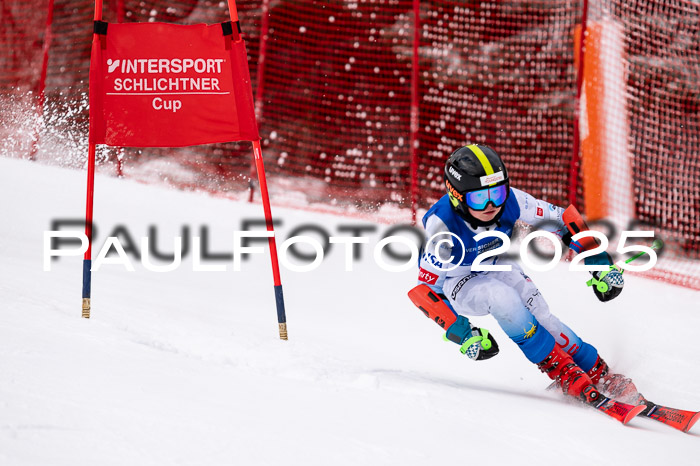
pixel 615 409
pixel 676 418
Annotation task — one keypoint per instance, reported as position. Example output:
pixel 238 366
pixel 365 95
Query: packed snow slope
pixel 187 368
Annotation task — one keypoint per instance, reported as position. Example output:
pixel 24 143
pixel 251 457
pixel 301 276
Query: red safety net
pixel 21 39
pixel 21 42
pixel 650 63
pixel 664 123
pixel 336 99
pixel 500 73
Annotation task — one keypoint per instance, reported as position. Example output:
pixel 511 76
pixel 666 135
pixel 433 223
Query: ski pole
pixel 656 245
pixel 602 286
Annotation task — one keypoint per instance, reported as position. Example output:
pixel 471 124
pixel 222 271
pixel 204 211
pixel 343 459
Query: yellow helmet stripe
pixel 482 158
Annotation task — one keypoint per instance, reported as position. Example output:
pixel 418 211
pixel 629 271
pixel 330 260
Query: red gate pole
pixel 279 297
pixel 414 110
pixel 257 153
pixel 42 78
pixel 121 16
pixel 260 78
pixel 576 143
pixel 87 259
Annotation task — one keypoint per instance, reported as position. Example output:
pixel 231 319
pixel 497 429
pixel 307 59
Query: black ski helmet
pixel 471 168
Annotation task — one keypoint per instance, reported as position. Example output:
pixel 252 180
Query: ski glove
pixel 477 343
pixel 607 284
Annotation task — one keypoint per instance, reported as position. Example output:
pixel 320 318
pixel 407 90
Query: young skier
pixel 479 198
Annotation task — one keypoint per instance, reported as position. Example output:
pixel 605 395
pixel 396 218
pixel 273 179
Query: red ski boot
pixel 615 386
pixel 559 366
pixel 600 369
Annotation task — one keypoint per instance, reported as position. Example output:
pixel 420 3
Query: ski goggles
pixel 477 200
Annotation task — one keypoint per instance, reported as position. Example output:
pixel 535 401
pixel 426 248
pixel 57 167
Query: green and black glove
pixel 477 343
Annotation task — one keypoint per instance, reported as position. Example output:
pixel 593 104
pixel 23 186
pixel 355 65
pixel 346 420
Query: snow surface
pixel 186 368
